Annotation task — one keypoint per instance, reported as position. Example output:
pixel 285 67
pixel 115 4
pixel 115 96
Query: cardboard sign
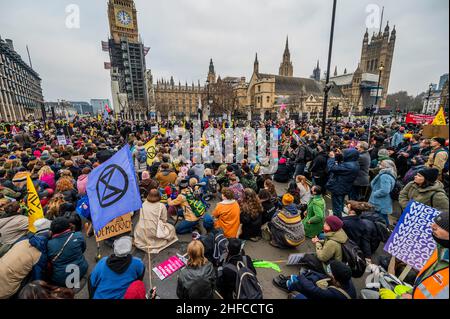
pixel 62 139
pixel 168 267
pixel 430 131
pixel 412 241
pixel 116 227
pixel 154 129
pixel 294 259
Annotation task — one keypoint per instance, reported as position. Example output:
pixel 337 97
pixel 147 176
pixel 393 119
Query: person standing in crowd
pixel 438 156
pixel 198 279
pixel 318 167
pixel 342 175
pixel 417 164
pixel 425 189
pixel 315 213
pixel 398 137
pixel 113 275
pixel 362 181
pixel 382 186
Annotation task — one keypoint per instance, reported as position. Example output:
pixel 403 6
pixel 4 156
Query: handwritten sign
pixel 119 225
pixel 412 241
pixel 62 139
pixel 168 267
pixel 154 129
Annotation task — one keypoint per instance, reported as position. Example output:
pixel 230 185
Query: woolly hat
pixel 442 220
pixel 440 140
pixel 20 177
pixel 287 199
pixel 282 161
pixel 145 175
pixel 59 225
pixel 430 174
pixel 42 224
pixel 340 271
pixel 334 222
pixel 122 246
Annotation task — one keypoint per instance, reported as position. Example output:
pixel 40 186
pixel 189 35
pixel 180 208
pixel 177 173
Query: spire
pixel 256 64
pixel 345 71
pixel 287 43
pixel 211 66
pixel 318 64
pixel 335 71
pixel 286 68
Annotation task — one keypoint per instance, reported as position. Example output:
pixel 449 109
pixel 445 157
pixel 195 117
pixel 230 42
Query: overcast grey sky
pixel 185 34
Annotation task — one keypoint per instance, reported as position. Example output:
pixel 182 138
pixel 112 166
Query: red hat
pixel 334 222
pixel 135 291
pixel 168 190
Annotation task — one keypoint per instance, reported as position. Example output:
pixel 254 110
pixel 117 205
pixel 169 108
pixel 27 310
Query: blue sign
pixel 112 189
pixel 412 241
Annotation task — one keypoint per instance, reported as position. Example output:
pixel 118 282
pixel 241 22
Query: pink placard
pixel 168 267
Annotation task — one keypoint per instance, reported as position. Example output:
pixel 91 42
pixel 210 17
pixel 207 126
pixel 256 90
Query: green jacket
pixel 315 216
pixel 331 248
pixel 433 196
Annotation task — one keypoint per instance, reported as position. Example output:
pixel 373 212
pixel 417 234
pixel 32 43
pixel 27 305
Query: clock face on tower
pixel 124 18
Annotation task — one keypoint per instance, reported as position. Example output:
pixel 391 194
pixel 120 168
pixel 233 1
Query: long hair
pixel 300 179
pixel 54 205
pixel 251 204
pixel 270 187
pixel 64 184
pixel 196 254
pixel 41 290
pixel 45 170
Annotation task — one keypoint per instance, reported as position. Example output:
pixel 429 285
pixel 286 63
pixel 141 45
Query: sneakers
pixel 281 282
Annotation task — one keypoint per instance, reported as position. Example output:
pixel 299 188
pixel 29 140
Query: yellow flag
pixel 35 211
pixel 440 118
pixel 150 149
pixel 163 131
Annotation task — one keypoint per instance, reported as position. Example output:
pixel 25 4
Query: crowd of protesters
pixel 369 181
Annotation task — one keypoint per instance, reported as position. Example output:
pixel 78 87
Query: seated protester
pixel 315 213
pixel 10 192
pixel 251 216
pixel 268 207
pixel 269 185
pixel 65 186
pixel 248 180
pixel 47 176
pixel 65 247
pixel 313 285
pixel 147 184
pixel 227 214
pixel 417 163
pixel 305 191
pixel 236 187
pixel 52 209
pixel 197 279
pixel 113 275
pixel 13 226
pixel 294 191
pixel 425 189
pixel 153 232
pixel 286 228
pixel 69 165
pixel 137 291
pixel 180 207
pixel 283 173
pixel 165 176
pixel 198 169
pixel 355 228
pixel 24 261
pixel 39 290
pixel 83 180
pixel 226 282
pixel 205 180
pixel 331 247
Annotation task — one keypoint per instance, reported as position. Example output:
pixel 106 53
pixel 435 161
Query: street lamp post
pixel 327 83
pixel 428 98
pixel 373 109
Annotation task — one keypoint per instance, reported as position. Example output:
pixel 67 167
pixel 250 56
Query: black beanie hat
pixel 442 220
pixel 234 246
pixel 341 272
pixel 59 225
pixel 430 174
pixel 440 140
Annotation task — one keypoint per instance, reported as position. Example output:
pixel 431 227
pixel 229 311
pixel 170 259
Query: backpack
pixel 216 247
pixel 309 154
pixel 354 258
pixel 142 156
pixel 197 206
pixel 398 186
pixel 247 285
pixel 445 169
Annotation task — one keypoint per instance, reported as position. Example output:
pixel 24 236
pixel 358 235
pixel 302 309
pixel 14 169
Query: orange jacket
pixel 228 217
pixel 435 286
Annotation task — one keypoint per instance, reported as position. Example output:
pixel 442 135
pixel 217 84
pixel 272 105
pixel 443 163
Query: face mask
pixel 442 242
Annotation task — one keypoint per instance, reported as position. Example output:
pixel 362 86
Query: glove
pixel 387 294
pixel 401 290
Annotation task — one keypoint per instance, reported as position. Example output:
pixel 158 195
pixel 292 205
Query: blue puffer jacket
pixel 40 241
pixel 343 175
pixel 382 185
pixel 71 255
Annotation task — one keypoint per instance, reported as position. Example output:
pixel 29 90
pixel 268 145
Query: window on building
pixel 259 88
pixel 268 99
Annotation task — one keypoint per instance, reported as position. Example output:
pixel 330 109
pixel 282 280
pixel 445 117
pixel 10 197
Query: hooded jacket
pixel 382 185
pixel 433 196
pixel 343 175
pixel 81 184
pixel 113 275
pixel 228 214
pixel 362 179
pixel 331 248
pixel 315 216
pixel 287 228
pixel 190 275
pixel 165 178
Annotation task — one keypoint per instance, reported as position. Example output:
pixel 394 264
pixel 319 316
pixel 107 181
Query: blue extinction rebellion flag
pixel 112 189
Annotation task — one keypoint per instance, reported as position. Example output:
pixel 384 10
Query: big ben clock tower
pixel 127 54
pixel 123 20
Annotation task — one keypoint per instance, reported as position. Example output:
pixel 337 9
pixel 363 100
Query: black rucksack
pixel 247 285
pixel 398 186
pixel 354 258
pixel 216 247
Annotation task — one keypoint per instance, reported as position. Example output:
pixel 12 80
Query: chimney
pixel 10 43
